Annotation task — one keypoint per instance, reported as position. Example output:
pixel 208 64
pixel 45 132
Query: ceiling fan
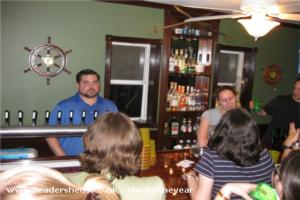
pixel 261 15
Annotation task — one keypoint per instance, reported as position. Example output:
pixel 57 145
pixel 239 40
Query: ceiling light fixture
pixel 258 25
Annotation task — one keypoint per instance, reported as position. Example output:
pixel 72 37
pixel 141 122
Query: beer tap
pixel 47 115
pixel 95 114
pixel 71 117
pixel 83 116
pixel 20 118
pixel 58 118
pixel 6 117
pixel 34 118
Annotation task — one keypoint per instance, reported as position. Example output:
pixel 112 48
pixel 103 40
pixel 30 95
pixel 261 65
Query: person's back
pixel 224 171
pixel 130 187
pixel 112 148
pixel 234 154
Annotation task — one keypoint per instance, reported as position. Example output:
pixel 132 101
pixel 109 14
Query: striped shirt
pixel 226 171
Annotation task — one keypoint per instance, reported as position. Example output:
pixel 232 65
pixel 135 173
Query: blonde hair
pixel 39 183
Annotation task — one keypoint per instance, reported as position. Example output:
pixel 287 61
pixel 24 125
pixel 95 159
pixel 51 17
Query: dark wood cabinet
pixel 196 42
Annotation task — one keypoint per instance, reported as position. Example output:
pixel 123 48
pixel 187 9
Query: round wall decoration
pixel 272 74
pixel 47 60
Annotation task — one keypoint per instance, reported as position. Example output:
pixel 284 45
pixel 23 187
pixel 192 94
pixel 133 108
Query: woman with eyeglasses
pixel 286 181
pixel 227 99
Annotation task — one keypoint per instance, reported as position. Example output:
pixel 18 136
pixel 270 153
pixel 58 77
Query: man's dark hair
pixel 237 138
pixel 86 72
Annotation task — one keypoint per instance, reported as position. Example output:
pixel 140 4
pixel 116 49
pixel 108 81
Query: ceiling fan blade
pixel 215 17
pixel 286 6
pixel 217 5
pixel 292 17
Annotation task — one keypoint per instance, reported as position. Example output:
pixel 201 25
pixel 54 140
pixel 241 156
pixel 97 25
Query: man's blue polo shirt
pixel 74 145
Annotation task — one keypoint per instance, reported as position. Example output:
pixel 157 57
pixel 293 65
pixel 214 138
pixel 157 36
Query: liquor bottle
pixel 182 99
pixel 34 118
pixel 183 126
pixel 6 118
pixel 58 118
pixel 181 61
pixel 174 126
pixel 166 129
pixel 172 61
pixel 196 125
pixel 176 60
pixel 47 115
pixel 189 126
pixel 71 113
pixel 174 98
pixel 20 118
pixel 187 97
pixel 198 100
pixel 83 116
pixel 186 59
pixel 192 100
pixel 169 96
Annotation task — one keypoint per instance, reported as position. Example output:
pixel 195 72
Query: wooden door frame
pixel 248 72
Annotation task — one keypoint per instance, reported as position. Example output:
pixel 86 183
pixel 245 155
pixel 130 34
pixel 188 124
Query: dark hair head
pixel 112 144
pixel 237 138
pixel 86 72
pixel 290 176
pixel 223 88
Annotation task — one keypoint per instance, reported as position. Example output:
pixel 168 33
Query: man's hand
pixel 293 135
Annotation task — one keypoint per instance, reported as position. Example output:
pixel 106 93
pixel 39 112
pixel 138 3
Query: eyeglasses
pixel 89 83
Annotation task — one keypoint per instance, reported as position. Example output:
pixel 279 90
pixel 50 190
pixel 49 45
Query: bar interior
pixel 67 67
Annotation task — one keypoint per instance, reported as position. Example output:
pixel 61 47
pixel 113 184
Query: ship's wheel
pixel 47 60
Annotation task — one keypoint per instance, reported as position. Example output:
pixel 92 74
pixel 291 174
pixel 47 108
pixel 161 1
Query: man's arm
pixel 260 113
pixel 288 142
pixel 55 146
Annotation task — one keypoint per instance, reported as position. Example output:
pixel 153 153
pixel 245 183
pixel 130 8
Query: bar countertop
pixel 165 167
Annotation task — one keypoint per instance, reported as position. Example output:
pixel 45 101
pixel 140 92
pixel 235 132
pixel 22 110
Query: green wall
pixel 280 46
pixel 80 26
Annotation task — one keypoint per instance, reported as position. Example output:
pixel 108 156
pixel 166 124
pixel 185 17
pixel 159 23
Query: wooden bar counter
pixel 165 167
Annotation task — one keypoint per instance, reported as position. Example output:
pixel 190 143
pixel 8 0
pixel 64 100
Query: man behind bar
pixel 284 109
pixel 85 100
